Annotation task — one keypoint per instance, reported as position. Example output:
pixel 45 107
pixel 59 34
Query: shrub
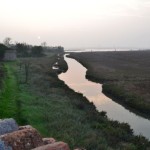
pixel 3 48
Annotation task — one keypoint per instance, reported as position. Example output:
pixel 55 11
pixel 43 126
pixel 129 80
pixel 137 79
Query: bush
pixel 37 51
pixel 3 48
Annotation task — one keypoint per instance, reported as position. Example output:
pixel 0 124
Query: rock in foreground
pixel 54 146
pixel 8 126
pixel 25 139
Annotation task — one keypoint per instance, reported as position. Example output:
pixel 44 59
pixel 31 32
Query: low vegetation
pixel 55 110
pixel 3 48
pixel 125 76
pixel 26 50
pixel 1 75
pixel 8 92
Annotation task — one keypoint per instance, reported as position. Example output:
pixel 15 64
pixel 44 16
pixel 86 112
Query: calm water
pixel 103 49
pixel 75 79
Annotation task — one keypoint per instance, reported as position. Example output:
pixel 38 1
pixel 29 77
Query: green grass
pixel 56 111
pixel 10 103
pixel 9 94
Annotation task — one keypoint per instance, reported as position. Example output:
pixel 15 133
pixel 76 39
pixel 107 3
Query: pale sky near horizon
pixel 77 23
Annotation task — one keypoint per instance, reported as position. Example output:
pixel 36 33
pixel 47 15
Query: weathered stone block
pixel 25 139
pixel 48 141
pixel 25 127
pixel 3 146
pixel 7 126
pixel 54 146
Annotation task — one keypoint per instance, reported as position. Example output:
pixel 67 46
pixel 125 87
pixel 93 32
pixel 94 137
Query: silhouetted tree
pixel 43 44
pixel 60 49
pixel 37 51
pixel 7 41
pixel 22 49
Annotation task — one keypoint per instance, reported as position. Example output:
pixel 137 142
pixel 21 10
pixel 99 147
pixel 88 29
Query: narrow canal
pixel 75 79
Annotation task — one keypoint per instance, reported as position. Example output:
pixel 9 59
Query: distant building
pixel 10 55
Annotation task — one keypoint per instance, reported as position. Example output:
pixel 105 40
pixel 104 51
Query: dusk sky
pixel 77 23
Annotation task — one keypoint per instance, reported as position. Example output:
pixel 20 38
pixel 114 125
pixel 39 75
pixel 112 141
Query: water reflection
pixel 75 79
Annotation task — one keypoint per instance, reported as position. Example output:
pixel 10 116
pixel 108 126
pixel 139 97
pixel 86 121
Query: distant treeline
pixel 26 50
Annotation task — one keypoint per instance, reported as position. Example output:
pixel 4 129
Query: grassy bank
pixel 9 92
pixel 125 76
pixel 56 111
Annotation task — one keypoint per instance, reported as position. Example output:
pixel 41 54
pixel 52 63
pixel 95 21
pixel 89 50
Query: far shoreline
pixel 105 50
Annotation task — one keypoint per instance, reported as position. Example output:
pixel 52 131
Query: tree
pixel 22 49
pixel 60 49
pixel 7 41
pixel 43 44
pixel 37 51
